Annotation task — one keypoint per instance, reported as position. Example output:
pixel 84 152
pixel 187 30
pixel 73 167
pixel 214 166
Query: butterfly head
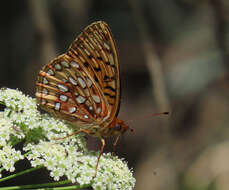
pixel 120 127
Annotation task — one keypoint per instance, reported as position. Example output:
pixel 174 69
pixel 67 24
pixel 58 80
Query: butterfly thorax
pixel 114 128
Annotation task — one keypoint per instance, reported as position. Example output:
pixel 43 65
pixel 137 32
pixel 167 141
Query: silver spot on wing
pixel 63 98
pixel 74 64
pixel 64 63
pixel 80 99
pixel 62 88
pixel 81 81
pixel 57 106
pixel 96 98
pixel 72 109
pixel 72 80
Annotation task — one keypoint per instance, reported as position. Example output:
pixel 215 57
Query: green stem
pixel 48 185
pixel 20 173
pixel 73 187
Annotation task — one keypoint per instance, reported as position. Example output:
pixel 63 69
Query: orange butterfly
pixel 82 86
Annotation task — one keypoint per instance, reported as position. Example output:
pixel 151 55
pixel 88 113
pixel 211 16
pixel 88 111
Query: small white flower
pixel 7 129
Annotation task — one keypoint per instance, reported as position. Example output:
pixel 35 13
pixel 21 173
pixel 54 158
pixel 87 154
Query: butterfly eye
pixel 117 127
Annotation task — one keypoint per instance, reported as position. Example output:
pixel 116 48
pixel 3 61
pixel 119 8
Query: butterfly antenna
pixel 147 116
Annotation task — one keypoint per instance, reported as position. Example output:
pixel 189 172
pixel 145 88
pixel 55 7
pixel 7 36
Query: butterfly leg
pixel 115 144
pixel 101 151
pixel 75 133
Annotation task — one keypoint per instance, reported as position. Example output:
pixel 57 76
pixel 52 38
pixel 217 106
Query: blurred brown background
pixel 174 56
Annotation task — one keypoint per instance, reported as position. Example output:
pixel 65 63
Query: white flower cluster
pixel 8 157
pixel 66 157
pixel 63 160
pixel 20 109
pixel 113 173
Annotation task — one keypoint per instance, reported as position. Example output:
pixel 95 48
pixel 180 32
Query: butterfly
pixel 82 86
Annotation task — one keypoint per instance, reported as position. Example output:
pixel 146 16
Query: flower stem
pixel 20 173
pixel 48 185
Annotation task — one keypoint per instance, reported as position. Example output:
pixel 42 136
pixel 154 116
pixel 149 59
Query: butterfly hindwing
pixel 82 85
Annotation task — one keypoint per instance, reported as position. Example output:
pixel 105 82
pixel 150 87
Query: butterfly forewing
pixel 82 85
